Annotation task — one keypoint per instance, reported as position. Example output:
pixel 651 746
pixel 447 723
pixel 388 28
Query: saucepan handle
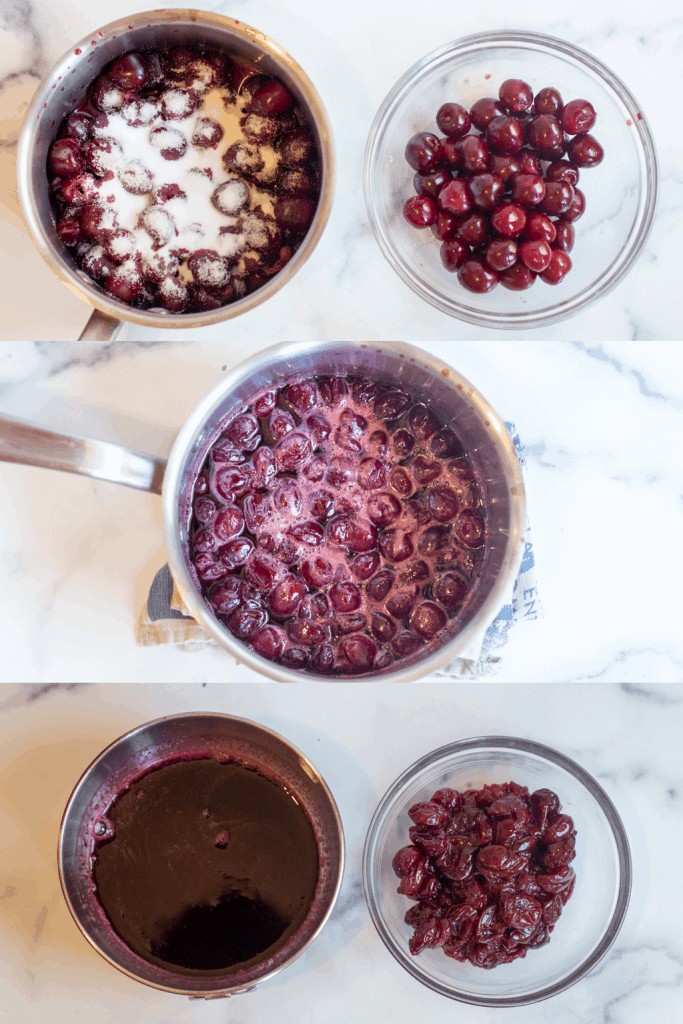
pixel 100 327
pixel 30 445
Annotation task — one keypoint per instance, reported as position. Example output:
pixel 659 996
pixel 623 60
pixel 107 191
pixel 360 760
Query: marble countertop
pixel 601 424
pixel 627 737
pixel 354 60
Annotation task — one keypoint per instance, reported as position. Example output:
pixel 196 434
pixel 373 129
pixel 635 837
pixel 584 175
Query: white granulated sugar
pixel 122 246
pixel 197 222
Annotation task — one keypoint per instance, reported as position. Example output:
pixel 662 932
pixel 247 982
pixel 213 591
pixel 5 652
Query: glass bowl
pixel 591 919
pixel 621 193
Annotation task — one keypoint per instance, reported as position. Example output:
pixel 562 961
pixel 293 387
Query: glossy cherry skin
pixel 516 95
pixel 454 254
pixel 501 253
pixel 578 117
pixel 423 152
pixel 509 220
pixel 559 267
pixel 476 276
pixel 487 190
pixel 585 151
pixel 505 135
pixel 518 278
pixel 548 101
pixel 545 134
pixel 420 211
pixel 484 111
pixel 453 120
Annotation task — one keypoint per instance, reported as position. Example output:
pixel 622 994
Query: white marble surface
pixel 627 737
pixel 354 54
pixel 602 425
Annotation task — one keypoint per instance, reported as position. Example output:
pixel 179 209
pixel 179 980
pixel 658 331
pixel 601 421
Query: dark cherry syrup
pixel 205 866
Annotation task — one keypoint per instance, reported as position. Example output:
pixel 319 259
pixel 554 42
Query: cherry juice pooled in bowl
pixel 184 181
pixel 338 527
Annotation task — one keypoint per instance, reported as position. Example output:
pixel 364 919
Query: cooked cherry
pixel 453 120
pixel 428 619
pixel 585 151
pixel 578 117
pixel 423 152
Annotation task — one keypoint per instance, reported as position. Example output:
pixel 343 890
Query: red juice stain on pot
pixel 205 866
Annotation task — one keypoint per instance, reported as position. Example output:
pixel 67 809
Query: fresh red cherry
pixel 423 152
pixel 545 134
pixel 476 276
pixel 484 111
pixel 559 267
pixel 509 220
pixel 585 151
pixel 128 72
pixel 548 101
pixel 501 253
pixel 535 254
pixel 516 95
pixel 453 120
pixel 578 117
pixel 420 211
pixel 505 134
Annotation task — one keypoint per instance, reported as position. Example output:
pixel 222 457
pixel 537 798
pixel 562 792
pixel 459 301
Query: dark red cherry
pixel 486 189
pixel 484 111
pixel 420 211
pixel 516 95
pixel 64 158
pixel 559 267
pixel 271 99
pixel 129 72
pixel 578 117
pixel 423 152
pixel 501 253
pixel 453 120
pixel 548 101
pixel 517 278
pixel 545 134
pixel 505 134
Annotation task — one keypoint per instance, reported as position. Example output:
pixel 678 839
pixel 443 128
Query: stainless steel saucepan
pixel 453 399
pixel 62 91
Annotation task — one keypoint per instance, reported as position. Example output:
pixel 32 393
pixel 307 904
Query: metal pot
pixel 451 396
pixel 196 735
pixel 63 89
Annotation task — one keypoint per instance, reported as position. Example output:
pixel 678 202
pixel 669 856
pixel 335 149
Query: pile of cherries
pixel 490 870
pixel 503 199
pixel 338 526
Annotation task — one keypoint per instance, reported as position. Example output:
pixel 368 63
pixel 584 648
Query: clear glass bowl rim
pixel 640 232
pixel 480 743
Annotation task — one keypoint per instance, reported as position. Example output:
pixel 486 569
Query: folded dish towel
pixel 165 619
